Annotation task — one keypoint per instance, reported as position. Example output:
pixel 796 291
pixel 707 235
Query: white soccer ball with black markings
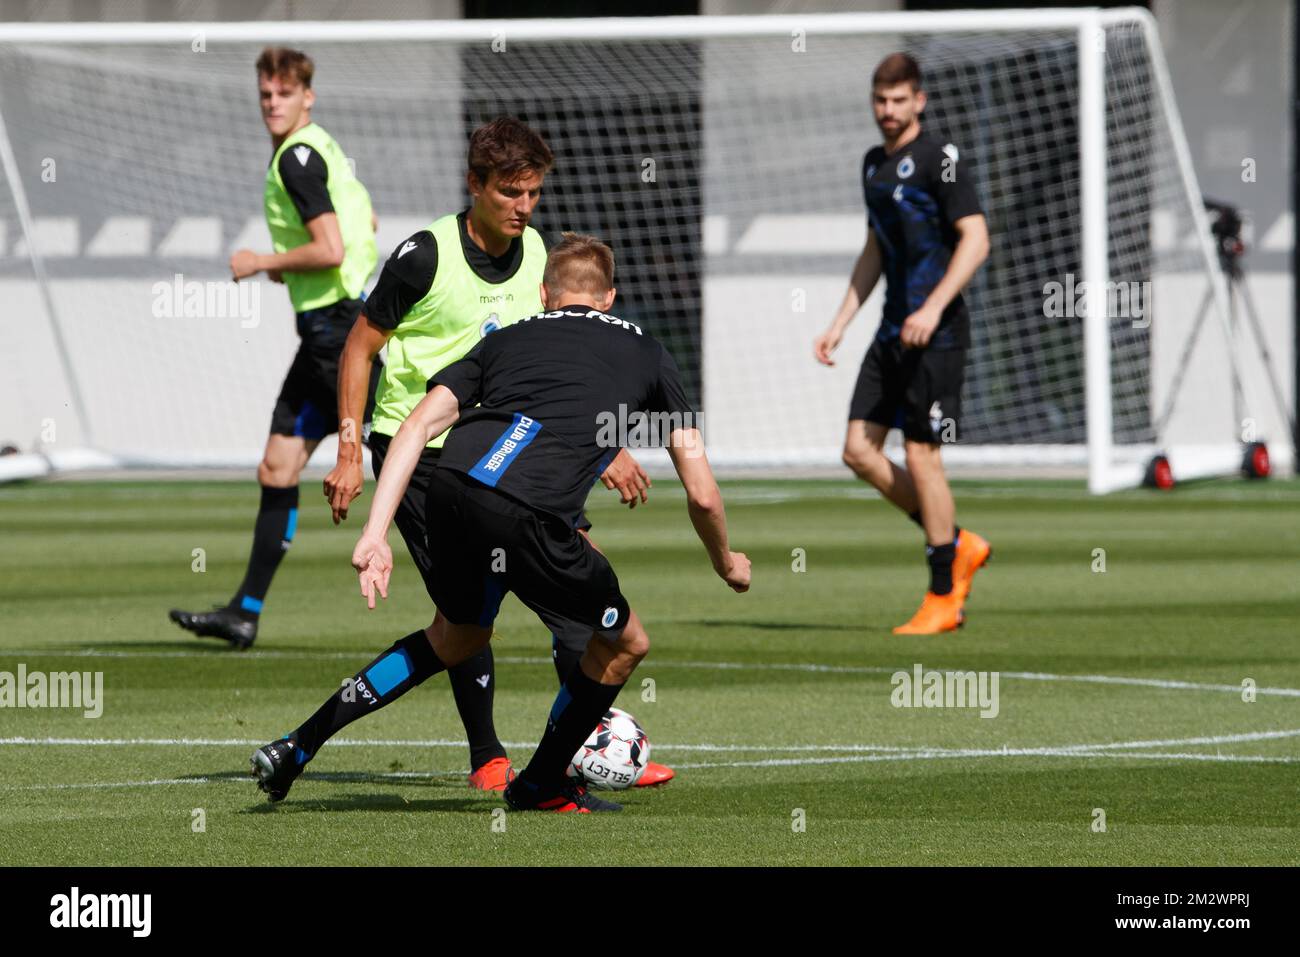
pixel 614 756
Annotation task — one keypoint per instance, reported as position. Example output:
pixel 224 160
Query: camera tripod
pixel 1226 228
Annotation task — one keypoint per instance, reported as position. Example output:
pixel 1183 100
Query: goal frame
pixel 1108 467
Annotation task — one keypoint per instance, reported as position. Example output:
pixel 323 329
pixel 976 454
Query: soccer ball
pixel 615 755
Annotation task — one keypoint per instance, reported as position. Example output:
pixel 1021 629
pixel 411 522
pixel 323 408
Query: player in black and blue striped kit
pixel 505 500
pixel 926 236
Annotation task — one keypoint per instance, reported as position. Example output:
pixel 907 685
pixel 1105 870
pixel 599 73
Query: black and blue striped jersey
pixel 913 198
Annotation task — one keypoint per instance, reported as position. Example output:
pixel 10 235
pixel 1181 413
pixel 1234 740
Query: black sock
pixel 277 520
pixel 399 669
pixel 578 708
pixel 565 659
pixel 473 682
pixel 940 558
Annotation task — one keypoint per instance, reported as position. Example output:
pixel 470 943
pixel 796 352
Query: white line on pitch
pixel 216 654
pixel 939 754
pixel 1198 756
pixel 1147 683
pixel 345 776
pixel 1045 750
pixel 155 782
pixel 424 743
pixel 915 755
pixel 1163 683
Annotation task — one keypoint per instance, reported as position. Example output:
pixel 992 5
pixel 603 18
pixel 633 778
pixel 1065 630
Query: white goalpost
pixel 720 157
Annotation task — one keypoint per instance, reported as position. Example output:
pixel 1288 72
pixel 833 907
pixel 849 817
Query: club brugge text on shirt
pixel 521 432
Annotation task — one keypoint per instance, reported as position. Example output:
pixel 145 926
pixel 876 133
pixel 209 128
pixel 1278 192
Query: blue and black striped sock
pixel 277 521
pixel 399 669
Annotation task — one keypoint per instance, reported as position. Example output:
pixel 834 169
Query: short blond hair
pixel 580 264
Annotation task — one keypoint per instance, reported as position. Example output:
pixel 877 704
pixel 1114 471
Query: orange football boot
pixel 973 552
pixel 655 774
pixel 493 776
pixel 937 613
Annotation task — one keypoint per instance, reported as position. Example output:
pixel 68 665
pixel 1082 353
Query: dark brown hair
pixel 580 264
pixel 510 147
pixel 895 69
pixel 282 63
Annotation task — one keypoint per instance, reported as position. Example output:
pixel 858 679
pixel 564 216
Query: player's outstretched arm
pixel 866 273
pixel 704 502
pixel 323 251
pixel 372 558
pixel 345 480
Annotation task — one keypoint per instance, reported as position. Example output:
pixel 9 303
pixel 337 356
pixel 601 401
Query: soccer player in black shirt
pixel 323 231
pixel 927 236
pixel 531 407
pixel 442 290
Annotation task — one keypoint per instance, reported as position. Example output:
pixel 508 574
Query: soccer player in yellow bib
pixel 323 232
pixel 442 290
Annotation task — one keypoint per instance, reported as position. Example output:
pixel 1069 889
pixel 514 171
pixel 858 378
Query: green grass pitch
pixel 1118 690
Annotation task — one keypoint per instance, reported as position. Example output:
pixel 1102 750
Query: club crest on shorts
pixel 936 418
pixel 491 324
pixel 607 620
pixel 906 167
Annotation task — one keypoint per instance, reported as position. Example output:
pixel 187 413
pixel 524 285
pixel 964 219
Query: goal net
pixel 721 159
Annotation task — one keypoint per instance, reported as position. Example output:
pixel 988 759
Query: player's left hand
pixel 919 327
pixel 243 263
pixel 373 560
pixel 342 485
pixel 627 476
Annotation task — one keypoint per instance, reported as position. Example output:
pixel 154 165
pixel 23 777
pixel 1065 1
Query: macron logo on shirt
pixel 406 248
pixel 588 314
pixel 303 154
pixel 505 450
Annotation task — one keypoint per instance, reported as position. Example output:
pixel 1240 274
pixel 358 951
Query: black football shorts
pixel 916 390
pixel 411 522
pixel 487 544
pixel 308 402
